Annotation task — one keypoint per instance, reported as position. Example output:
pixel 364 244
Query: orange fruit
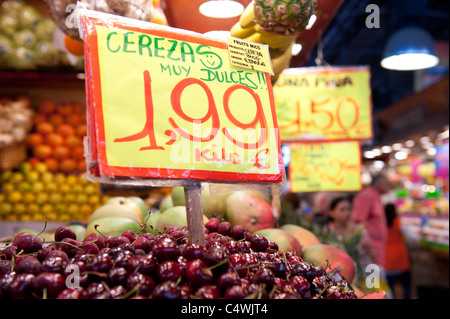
pixel 34 139
pixel 44 128
pixel 77 152
pixel 52 164
pixel 56 119
pixel 74 46
pixel 54 139
pixel 61 152
pixel 68 165
pixel 42 151
pixel 65 130
pixel 81 165
pixel 47 107
pixel 40 117
pixel 78 108
pixel 74 119
pixel 81 130
pixel 73 141
pixel 65 109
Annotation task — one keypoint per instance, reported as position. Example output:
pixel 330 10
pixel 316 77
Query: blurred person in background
pixel 397 265
pixel 321 208
pixel 355 237
pixel 368 209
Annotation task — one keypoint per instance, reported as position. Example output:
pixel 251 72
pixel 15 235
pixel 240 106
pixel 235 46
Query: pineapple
pixel 285 17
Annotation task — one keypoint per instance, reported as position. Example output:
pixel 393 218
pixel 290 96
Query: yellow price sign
pixel 323 104
pixel 333 166
pixel 165 103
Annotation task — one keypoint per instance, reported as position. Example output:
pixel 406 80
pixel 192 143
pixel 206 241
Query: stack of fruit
pixel 252 210
pixel 26 38
pixel 57 137
pixel 234 264
pixel 276 23
pixel 34 193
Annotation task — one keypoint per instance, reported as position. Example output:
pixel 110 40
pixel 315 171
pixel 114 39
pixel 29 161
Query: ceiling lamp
pixel 409 49
pixel 221 8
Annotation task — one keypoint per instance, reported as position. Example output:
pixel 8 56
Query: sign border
pixel 98 165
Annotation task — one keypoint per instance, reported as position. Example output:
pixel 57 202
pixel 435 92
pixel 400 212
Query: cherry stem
pixel 219 264
pixel 136 289
pixel 95 227
pixel 45 226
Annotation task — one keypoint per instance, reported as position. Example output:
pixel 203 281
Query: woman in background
pixel 397 264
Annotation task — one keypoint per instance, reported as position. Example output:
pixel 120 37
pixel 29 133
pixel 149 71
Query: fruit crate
pixel 12 155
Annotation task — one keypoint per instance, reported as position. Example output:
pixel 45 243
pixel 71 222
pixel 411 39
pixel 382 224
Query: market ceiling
pixel 346 40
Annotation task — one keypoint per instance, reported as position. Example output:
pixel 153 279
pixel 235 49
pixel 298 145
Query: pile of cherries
pixel 234 264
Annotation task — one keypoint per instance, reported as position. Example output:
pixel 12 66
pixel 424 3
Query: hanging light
pixel 221 8
pixel 409 49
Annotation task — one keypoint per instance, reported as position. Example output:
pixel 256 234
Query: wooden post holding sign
pixel 166 107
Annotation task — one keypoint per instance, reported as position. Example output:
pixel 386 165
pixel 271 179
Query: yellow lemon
pixel 19 208
pixel 73 210
pixel 37 187
pixel 71 179
pixel 16 178
pixel 52 187
pixel 47 177
pixel 5 208
pixel 25 167
pixel 47 208
pixel 69 198
pixel 60 178
pixel 41 198
pixel 94 199
pixel 24 186
pixel 33 209
pixel 8 187
pixel 64 188
pixel 6 175
pixel 55 198
pixel 29 198
pixel 26 217
pixel 77 188
pixel 81 198
pixel 52 216
pixel 39 217
pixel 40 167
pixel 15 196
